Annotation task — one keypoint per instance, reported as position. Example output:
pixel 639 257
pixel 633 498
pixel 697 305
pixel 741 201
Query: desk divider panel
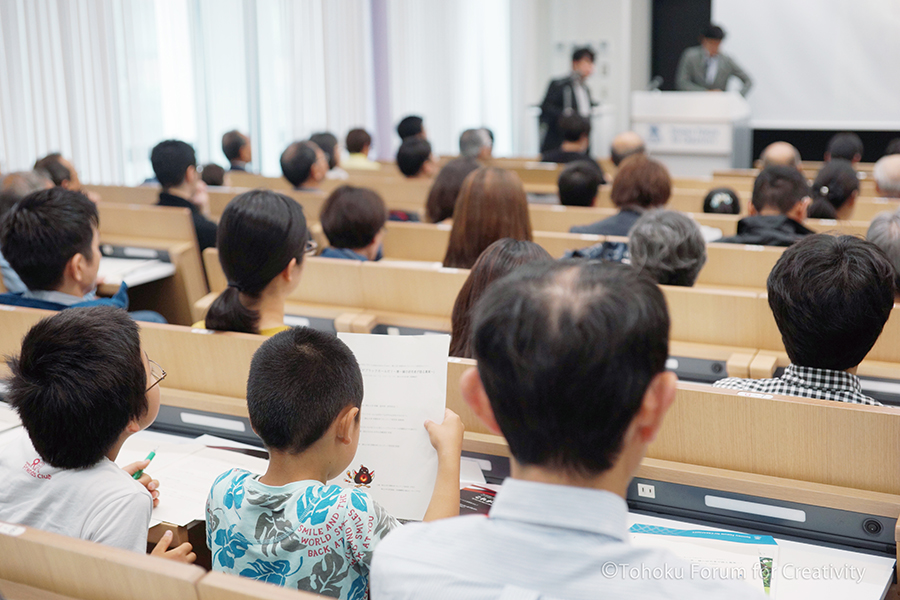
pixel 146 195
pixel 707 316
pixel 224 586
pixel 90 571
pixel 420 291
pixel 416 241
pixel 738 265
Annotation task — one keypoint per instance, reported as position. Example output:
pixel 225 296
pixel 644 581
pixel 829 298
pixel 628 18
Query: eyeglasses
pixel 157 373
pixel 311 247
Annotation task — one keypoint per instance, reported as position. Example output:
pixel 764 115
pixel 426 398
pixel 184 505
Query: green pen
pixel 150 456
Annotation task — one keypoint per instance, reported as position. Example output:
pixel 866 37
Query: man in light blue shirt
pixel 571 371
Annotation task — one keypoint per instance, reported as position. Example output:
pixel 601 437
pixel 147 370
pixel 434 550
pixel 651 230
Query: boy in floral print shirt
pixel 287 526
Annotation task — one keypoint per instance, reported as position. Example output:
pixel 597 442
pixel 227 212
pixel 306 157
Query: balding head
pixel 624 145
pixel 780 154
pixel 887 176
pixel 16 186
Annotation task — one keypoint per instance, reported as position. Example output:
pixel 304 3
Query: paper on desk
pixel 186 472
pixel 405 379
pixel 716 555
pixel 134 272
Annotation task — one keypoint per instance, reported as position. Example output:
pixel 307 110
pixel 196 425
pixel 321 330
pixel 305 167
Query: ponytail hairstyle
pixel 834 185
pixel 259 233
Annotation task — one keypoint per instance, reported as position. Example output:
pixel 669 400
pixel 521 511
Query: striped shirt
pixel 539 541
pixel 805 382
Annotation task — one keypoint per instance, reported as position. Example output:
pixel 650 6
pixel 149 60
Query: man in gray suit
pixel 703 67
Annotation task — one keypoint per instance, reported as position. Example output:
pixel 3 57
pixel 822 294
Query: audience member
pixel 414 158
pixel 491 205
pixel 578 183
pixel 847 146
pixel 777 209
pixel 780 154
pixel 358 143
pixel 884 232
pixel 411 126
pixel 834 191
pixel 887 176
pixel 572 372
pixel 831 297
pixel 445 189
pixel 328 143
pixel 353 221
pixel 236 148
pixel 668 246
pixel 51 240
pixel 304 165
pixel 723 201
pixel 213 175
pixel 498 260
pixel 175 166
pixel 893 147
pixel 475 143
pixel 63 174
pixel 624 145
pixel 262 239
pixel 642 183
pixel 14 187
pixel 82 385
pixel 304 396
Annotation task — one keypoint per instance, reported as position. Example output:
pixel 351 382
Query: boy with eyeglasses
pixel 82 385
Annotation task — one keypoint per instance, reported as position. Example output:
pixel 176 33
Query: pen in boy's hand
pixel 140 472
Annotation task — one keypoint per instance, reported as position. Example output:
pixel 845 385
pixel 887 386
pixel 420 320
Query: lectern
pixel 694 133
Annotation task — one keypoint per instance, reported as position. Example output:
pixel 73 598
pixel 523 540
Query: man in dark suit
pixel 566 96
pixel 703 67
pixel 236 147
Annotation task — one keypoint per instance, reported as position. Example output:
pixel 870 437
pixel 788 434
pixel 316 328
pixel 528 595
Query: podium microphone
pixel 654 84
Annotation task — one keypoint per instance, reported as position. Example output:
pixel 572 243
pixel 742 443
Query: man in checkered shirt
pixel 831 297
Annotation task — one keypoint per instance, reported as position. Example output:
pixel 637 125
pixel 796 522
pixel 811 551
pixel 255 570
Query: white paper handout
pixel 405 379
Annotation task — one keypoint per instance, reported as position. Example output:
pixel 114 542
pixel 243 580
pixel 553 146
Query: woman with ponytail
pixel 262 238
pixel 834 191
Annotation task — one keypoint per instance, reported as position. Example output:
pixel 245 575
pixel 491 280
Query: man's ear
pixel 191 175
pixel 751 210
pixel 656 402
pixel 77 267
pixel 472 390
pixel 345 423
pixel 798 212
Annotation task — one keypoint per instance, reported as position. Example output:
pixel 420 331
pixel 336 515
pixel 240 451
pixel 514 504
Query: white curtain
pixel 102 81
pixel 450 63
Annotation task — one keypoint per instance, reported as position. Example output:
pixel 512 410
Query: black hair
pixel 212 174
pixel 413 154
pixel 43 231
pixel 78 381
pixel 328 143
pixel 352 216
pixel 232 142
pixel 834 185
pixel 410 126
pixel 573 127
pixel 845 145
pixel 300 381
pixel 723 201
pixel 831 297
pixel 259 233
pixel 713 32
pixel 578 183
pixel 566 351
pixel 585 52
pixel 297 162
pixel 893 147
pixel 357 140
pixel 171 160
pixel 52 166
pixel 779 187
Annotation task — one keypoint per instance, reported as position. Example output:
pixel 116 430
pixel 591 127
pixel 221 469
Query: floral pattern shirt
pixel 304 535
